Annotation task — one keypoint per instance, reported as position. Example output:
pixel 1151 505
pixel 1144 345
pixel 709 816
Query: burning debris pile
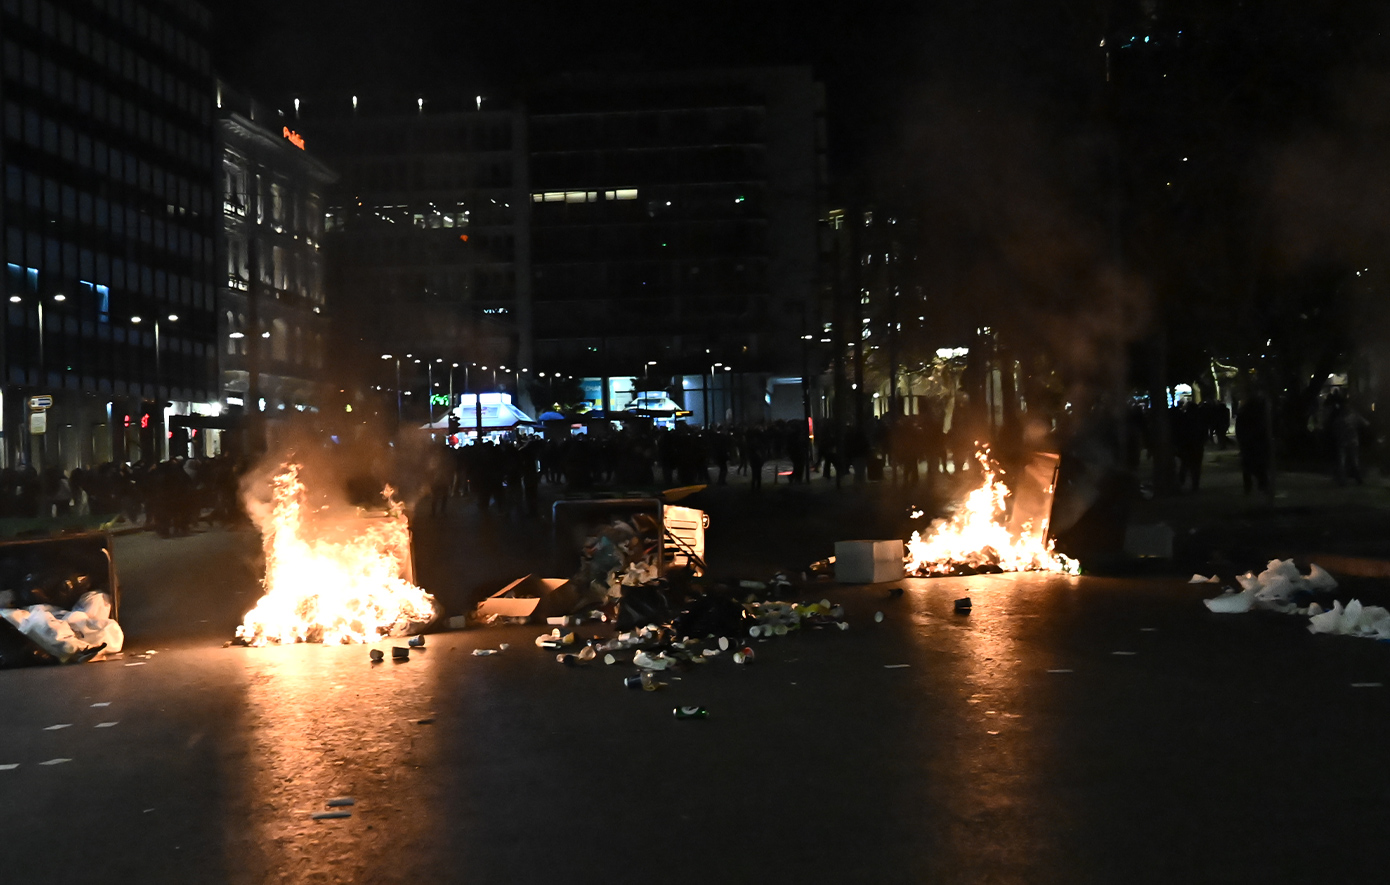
pixel 333 579
pixel 978 536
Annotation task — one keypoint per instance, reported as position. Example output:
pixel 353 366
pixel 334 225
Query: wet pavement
pixel 1066 730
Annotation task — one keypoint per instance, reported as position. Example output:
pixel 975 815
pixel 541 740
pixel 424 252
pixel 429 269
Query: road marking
pixel 895 666
pixel 102 704
pixel 1365 685
pixel 10 767
pixel 105 724
pixel 56 727
pixel 1061 671
pixel 1148 629
pixel 136 664
pixel 59 761
pixel 1125 653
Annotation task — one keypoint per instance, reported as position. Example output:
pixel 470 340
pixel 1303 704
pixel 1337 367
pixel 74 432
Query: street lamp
pixel 399 409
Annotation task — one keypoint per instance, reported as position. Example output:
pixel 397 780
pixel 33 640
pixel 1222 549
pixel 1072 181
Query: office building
pixel 272 319
pixel 109 227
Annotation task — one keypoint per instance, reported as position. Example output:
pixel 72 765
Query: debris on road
pixel 341 801
pixel 690 713
pixel 377 655
pixel 963 605
pixel 1281 587
pixel 331 815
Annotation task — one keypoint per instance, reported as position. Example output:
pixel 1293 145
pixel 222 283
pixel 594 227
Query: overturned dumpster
pixel 59 600
pixel 613 549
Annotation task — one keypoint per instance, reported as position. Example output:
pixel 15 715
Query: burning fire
pixel 976 536
pixel 332 587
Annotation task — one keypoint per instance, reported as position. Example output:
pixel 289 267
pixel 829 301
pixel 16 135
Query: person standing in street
pixel 1344 425
pixel 1252 435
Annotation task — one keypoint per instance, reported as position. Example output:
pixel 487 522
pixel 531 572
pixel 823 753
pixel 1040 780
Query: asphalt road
pixel 1068 730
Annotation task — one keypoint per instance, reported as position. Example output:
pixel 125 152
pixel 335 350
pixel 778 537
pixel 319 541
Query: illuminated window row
pixel 627 193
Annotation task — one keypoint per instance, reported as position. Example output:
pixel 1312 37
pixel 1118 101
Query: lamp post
pixel 399 409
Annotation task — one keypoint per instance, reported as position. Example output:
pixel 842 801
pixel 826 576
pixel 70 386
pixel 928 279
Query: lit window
pixel 629 193
pixel 555 197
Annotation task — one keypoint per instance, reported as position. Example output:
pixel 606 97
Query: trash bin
pixel 673 537
pixel 52 571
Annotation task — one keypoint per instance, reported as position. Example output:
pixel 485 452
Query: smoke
pixel 1015 235
pixel 340 475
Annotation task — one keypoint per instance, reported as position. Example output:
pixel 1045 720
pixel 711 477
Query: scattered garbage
pixel 377 655
pixel 331 815
pixel 341 801
pixel 416 641
pixel 963 605
pixel 690 713
pixel 399 653
pixel 1281 587
pixel 878 617
pixel 484 652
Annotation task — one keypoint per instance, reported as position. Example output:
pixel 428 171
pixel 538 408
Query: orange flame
pixel 347 587
pixel 975 536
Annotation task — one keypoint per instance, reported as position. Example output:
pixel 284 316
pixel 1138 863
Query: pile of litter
pixel 68 636
pixel 1281 587
pixel 706 626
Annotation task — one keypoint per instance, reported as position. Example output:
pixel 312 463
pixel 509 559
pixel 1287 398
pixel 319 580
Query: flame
pixel 333 589
pixel 975 536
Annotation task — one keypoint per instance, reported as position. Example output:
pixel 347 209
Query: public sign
pixel 38 422
pixel 41 402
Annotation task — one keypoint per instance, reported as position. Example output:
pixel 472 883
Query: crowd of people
pixel 168 496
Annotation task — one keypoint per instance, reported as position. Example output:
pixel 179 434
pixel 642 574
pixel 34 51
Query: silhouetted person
pixel 1252 435
pixel 1344 425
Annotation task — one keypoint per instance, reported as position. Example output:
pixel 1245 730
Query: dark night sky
pixel 869 55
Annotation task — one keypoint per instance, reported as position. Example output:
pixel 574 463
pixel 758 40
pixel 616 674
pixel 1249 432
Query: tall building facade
pixel 657 230
pixel 109 227
pixel 271 308
pixel 423 233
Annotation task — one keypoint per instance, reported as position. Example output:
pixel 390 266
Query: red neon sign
pixel 294 137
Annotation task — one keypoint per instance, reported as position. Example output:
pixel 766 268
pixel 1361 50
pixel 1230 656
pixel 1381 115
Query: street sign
pixel 38 422
pixel 41 402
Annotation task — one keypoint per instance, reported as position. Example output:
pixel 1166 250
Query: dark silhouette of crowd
pixel 170 497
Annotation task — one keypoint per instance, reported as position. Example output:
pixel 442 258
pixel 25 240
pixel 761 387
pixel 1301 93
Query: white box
pixel 868 562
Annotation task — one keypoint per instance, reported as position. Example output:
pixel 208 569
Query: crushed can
pixel 416 642
pixel 377 655
pixel 690 713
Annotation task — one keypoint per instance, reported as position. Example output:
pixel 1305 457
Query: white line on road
pixel 1365 685
pixel 56 727
pixel 102 704
pixel 105 724
pixel 1125 653
pixel 9 767
pixel 895 666
pixel 137 664
pixel 59 761
pixel 1061 671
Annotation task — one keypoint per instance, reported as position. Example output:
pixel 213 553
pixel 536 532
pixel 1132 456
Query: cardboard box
pixel 531 597
pixel 868 562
